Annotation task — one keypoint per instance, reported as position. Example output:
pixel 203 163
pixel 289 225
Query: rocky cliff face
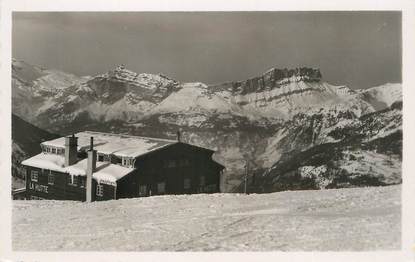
pixel 283 93
pixel 263 120
pixel 273 78
pixel 122 83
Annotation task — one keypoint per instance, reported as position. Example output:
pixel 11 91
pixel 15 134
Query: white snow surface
pixel 355 219
pixel 54 82
pixel 46 161
pixel 387 93
pixel 105 172
pixel 116 144
pixel 122 109
pixel 387 168
pixel 315 173
pixel 196 97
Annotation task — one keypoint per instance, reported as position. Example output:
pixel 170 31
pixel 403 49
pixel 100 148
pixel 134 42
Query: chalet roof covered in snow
pixel 116 144
pixel 105 172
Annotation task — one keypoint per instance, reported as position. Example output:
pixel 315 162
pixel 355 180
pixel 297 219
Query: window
pixel 184 162
pixel 186 183
pixel 161 187
pixel 82 182
pixel 51 178
pixel 107 158
pixel 34 176
pixel 100 190
pixel 171 163
pixel 125 161
pixel 142 190
pixel 72 180
pixel 53 150
pixel 48 149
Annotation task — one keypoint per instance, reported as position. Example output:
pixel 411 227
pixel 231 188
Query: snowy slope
pixel 386 168
pixel 382 96
pixel 118 94
pixel 360 219
pixel 195 97
pixel 34 89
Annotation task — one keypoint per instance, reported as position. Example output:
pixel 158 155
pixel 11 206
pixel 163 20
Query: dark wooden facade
pixel 62 187
pixel 176 169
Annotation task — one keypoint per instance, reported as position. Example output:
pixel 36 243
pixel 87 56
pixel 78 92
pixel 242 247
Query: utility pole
pixel 246 175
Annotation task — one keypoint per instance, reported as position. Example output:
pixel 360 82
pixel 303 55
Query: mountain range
pixel 292 129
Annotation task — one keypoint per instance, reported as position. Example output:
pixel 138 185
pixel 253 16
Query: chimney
pixel 179 136
pixel 90 169
pixel 71 150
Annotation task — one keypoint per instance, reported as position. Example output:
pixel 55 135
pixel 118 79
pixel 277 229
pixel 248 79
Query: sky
pixel 358 49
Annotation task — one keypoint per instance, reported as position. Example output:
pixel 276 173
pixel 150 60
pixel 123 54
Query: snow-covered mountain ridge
pixel 121 94
pixel 282 93
pixel 261 120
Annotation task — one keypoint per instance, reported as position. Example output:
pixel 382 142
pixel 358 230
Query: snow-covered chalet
pixel 91 166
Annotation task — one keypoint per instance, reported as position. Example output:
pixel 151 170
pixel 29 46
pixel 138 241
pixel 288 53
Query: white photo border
pixel 408 166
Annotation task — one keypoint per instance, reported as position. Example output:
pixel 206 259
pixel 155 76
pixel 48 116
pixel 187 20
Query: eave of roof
pixel 105 172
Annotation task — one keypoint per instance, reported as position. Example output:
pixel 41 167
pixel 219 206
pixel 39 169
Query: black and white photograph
pixel 206 131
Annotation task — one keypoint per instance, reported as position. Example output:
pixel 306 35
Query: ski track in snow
pixel 326 220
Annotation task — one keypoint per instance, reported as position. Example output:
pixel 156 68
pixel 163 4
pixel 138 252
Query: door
pixel 142 190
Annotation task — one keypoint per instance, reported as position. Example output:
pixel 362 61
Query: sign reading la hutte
pixel 39 188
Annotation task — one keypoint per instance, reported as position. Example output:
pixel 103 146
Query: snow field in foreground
pixel 337 219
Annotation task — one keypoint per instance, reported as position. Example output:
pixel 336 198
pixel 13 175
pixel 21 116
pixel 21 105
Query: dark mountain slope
pixel 25 142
